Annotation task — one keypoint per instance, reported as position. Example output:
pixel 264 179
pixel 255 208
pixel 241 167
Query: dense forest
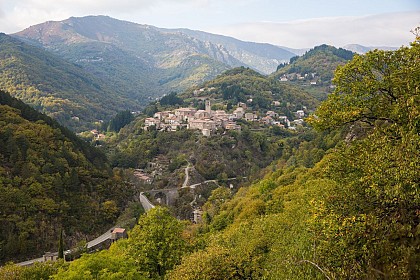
pixel 321 60
pixel 350 212
pixel 63 90
pixel 51 181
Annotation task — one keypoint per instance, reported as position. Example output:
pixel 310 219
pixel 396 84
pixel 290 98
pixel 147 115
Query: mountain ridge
pixel 262 57
pixel 55 86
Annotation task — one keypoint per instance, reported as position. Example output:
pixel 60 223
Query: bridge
pixel 147 205
pixel 99 242
pixel 166 196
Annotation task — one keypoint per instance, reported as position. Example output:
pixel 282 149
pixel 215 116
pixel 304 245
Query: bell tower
pixel 208 107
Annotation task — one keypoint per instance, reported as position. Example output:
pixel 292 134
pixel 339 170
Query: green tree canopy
pixel 156 243
pixel 368 226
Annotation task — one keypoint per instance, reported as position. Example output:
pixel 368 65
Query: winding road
pixel 187 176
pixel 147 205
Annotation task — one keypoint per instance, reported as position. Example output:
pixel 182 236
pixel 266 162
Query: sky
pixel 292 23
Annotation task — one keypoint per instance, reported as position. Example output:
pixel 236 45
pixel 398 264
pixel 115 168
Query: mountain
pixel 258 91
pixel 317 64
pixel 298 52
pixel 261 57
pixel 238 153
pixel 61 89
pixel 363 49
pixel 144 61
pixel 314 70
pixel 50 180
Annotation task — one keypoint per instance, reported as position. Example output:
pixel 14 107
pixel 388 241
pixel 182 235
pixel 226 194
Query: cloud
pixel 386 29
pixel 377 30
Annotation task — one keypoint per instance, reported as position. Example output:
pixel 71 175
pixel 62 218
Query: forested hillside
pixel 352 213
pixel 225 154
pixel 321 60
pixel 257 91
pixel 143 61
pixel 50 180
pixel 60 89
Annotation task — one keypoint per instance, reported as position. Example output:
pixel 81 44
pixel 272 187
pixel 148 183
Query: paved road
pixel 100 239
pixel 147 205
pixel 107 235
pixel 187 176
pixel 30 262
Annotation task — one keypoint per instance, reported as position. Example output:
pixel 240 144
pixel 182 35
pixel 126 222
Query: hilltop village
pixel 208 121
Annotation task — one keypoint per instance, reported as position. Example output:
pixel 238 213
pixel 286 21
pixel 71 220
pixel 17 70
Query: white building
pixel 300 114
pixel 184 114
pixel 250 117
pixel 239 113
pixel 152 122
pixel 272 114
pixel 202 124
pixel 201 114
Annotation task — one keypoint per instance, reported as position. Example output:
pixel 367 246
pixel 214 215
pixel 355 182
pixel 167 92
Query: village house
pixel 241 104
pixel 250 117
pixel 206 132
pixel 298 122
pixel 284 120
pixel 267 120
pixel 118 233
pixel 272 114
pixel 152 122
pixel 276 103
pixel 300 114
pixel 175 126
pixel 171 120
pixel 162 115
pixel 183 114
pixel 220 114
pixel 239 113
pixel 232 126
pixel 202 124
pixel 201 114
pixel 279 124
pixel 139 174
pixel 100 136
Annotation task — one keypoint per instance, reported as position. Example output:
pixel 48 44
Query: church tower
pixel 208 107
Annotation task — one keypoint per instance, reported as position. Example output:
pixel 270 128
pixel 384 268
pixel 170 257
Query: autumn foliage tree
pixel 369 224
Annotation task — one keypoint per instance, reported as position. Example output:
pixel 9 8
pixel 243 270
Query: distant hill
pixel 144 61
pixel 61 89
pixel 321 61
pixel 49 180
pixel 363 49
pixel 261 57
pixel 147 62
pixel 313 70
pixel 258 91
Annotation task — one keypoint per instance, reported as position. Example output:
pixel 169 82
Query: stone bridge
pixel 164 196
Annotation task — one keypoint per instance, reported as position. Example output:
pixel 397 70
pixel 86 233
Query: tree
pixel 368 226
pixel 171 99
pixel 103 265
pixel 156 243
pixel 120 120
pixel 61 246
pixel 379 87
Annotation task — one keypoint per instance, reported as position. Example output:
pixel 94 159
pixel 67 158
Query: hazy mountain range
pixel 88 68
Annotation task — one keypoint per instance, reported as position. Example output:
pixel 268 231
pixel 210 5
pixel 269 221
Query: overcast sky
pixel 293 23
